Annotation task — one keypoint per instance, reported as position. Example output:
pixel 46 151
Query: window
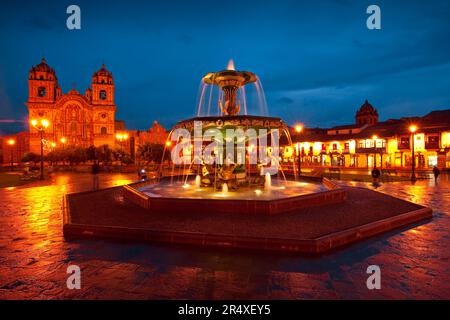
pixel 334 146
pixel 404 142
pixel 102 95
pixel 103 130
pixel 41 91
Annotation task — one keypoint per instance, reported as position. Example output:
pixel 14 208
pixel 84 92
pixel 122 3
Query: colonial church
pixel 78 119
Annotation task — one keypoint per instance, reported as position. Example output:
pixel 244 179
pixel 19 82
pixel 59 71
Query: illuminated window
pixel 103 130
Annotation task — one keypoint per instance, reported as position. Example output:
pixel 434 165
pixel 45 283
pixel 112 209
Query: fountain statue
pixel 229 81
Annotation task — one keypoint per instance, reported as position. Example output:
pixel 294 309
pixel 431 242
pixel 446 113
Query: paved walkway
pixel 34 256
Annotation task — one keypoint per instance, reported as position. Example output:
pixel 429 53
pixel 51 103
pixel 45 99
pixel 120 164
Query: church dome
pixel 102 76
pixel 42 67
pixel 367 108
pixel 366 115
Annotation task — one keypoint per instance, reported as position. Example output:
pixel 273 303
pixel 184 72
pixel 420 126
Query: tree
pixel 152 152
pixel 122 156
pixel 75 155
pixel 31 157
pixel 103 154
pixel 91 153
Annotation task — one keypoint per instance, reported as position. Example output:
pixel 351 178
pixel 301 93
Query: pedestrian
pixel 95 171
pixel 436 172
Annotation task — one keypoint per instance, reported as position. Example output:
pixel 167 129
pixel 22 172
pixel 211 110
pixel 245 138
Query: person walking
pixel 95 172
pixel 436 172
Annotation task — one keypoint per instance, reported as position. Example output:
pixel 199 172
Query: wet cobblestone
pixel 34 256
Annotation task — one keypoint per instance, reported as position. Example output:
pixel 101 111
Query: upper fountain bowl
pixel 229 78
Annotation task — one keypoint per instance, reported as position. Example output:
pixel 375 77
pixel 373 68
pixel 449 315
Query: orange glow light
pixel 63 140
pixel 413 128
pixel 45 123
pixel 298 128
pixel 11 142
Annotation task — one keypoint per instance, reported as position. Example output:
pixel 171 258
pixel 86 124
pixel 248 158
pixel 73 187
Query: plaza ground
pixel 34 256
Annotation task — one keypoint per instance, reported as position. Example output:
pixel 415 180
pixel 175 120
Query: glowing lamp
pixel 298 128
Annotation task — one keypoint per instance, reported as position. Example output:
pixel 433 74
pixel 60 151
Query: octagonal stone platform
pixel 364 213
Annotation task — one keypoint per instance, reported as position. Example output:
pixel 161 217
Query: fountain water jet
pixel 225 188
pixel 198 181
pixel 267 182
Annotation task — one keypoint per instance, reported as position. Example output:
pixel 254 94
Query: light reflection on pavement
pixel 34 256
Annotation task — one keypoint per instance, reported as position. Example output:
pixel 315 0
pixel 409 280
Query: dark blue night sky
pixel 317 60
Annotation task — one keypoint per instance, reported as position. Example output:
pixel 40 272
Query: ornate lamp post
pixel 374 139
pixel 11 143
pixel 299 129
pixel 63 141
pixel 121 137
pixel 41 125
pixel 413 129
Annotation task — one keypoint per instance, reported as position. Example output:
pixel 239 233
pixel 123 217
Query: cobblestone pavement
pixel 34 256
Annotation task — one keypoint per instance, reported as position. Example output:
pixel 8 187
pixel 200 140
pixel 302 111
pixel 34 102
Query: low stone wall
pixel 312 246
pixel 136 197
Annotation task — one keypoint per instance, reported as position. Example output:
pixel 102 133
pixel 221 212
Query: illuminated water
pixel 278 189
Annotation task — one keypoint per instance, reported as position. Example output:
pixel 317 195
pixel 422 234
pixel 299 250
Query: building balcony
pixel 371 150
pixel 432 145
pixel 403 146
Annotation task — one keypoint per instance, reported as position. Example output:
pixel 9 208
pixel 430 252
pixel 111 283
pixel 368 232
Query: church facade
pixel 81 119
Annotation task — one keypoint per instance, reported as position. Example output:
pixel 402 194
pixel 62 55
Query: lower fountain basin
pixel 282 197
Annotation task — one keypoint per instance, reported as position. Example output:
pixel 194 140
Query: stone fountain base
pixel 294 196
pixel 364 213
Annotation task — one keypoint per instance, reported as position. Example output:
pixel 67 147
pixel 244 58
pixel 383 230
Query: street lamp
pixel 41 125
pixel 413 129
pixel 374 139
pixel 11 143
pixel 299 129
pixel 63 141
pixel 121 137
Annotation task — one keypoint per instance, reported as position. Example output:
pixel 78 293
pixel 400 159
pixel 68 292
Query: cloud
pixel 285 101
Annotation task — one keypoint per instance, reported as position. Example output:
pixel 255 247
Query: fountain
pixel 232 174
